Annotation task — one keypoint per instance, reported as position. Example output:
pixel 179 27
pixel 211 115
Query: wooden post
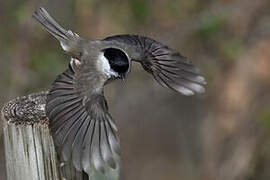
pixel 29 148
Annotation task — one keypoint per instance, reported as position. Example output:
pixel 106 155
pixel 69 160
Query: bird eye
pixel 118 60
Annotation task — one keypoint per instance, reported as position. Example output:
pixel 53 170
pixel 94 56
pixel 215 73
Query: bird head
pixel 118 61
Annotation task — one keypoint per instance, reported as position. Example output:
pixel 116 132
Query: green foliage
pixel 45 66
pixel 22 13
pixel 231 49
pixel 263 117
pixel 46 61
pixel 210 25
pixel 140 10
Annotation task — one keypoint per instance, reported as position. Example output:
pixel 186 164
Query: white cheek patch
pixel 104 66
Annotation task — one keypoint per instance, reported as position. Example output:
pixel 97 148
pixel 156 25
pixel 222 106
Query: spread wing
pixel 167 66
pixel 82 128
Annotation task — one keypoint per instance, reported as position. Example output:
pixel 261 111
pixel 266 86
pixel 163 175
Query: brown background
pixel 222 134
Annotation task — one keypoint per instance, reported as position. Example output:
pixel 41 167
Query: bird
pixel 83 131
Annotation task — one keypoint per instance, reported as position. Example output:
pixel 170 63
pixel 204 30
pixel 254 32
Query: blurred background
pixel 221 134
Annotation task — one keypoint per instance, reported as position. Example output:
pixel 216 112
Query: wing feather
pixel 78 143
pixel 81 126
pixel 105 147
pixel 168 67
pixel 95 149
pixel 70 136
pixel 87 147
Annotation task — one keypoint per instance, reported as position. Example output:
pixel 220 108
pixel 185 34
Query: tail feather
pixel 68 39
pixel 43 17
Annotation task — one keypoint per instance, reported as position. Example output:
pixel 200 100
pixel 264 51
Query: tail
pixel 68 39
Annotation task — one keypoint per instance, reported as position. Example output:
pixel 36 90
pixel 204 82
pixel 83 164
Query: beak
pixel 123 77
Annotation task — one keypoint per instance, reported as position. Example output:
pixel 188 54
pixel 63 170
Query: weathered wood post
pixel 29 148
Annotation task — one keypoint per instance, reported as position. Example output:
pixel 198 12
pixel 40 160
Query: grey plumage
pixel 83 130
pixel 168 67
